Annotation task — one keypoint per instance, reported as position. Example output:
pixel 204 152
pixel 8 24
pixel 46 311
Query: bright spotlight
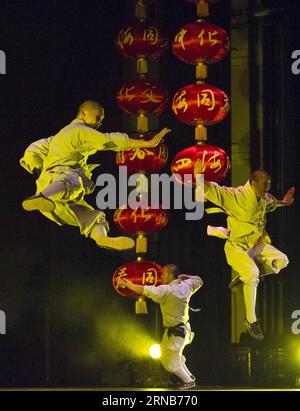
pixel 154 351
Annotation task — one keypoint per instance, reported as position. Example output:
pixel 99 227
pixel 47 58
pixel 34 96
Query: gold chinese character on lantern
pixel 207 99
pixel 140 153
pixel 121 274
pixel 118 214
pixel 151 34
pixel 150 276
pixel 201 37
pixel 163 152
pixel 143 214
pixel 211 40
pixel 210 35
pixel 180 38
pixel 180 102
pixel 213 162
pixel 226 106
pixel 125 93
pixel 150 97
pixel 125 37
pixel 182 163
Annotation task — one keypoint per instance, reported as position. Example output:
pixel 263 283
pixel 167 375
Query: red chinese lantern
pixel 141 40
pixel 141 220
pixel 142 96
pixel 140 273
pixel 201 42
pixel 143 160
pixel 200 104
pixel 215 163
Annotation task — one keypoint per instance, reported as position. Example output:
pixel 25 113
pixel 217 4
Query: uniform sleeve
pixel 195 283
pixel 224 197
pixel 157 294
pixel 272 203
pixel 92 141
pixel 35 154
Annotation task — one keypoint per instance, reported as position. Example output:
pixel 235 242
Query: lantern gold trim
pixel 201 71
pixel 142 66
pixel 200 133
pixel 142 123
pixel 140 10
pixel 141 244
pixel 202 8
pixel 141 306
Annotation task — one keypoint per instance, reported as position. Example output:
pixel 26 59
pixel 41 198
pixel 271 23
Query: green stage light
pixel 154 351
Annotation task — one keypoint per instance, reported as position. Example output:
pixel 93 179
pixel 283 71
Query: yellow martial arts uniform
pixel 248 248
pixel 63 158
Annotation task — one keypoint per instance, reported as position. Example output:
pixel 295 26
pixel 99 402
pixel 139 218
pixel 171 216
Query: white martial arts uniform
pixel 174 303
pixel 62 159
pixel 248 248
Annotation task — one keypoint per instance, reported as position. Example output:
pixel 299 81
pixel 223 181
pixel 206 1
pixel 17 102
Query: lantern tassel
pixel 141 244
pixel 142 67
pixel 141 306
pixel 202 8
pixel 200 133
pixel 142 123
pixel 140 10
pixel 201 71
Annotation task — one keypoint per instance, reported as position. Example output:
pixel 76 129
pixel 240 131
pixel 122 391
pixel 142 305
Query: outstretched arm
pixel 186 276
pixel 288 198
pixel 135 143
pixel 138 289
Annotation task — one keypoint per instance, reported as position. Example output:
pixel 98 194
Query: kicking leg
pixel 99 235
pixel 242 262
pixel 44 201
pixel 270 259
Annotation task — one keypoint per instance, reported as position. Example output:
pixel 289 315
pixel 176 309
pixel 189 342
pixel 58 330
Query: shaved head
pixel 91 112
pixel 260 181
pixel 258 174
pixel 172 268
pixel 89 105
pixel 169 273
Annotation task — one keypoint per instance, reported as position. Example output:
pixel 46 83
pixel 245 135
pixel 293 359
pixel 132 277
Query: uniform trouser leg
pixel 98 231
pixel 173 362
pixel 242 261
pixel 55 191
pixel 185 367
pixel 172 358
pixel 271 260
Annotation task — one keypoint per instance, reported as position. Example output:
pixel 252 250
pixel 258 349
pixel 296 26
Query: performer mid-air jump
pixel 248 248
pixel 64 177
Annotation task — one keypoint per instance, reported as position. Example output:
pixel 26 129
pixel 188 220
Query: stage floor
pixel 114 389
